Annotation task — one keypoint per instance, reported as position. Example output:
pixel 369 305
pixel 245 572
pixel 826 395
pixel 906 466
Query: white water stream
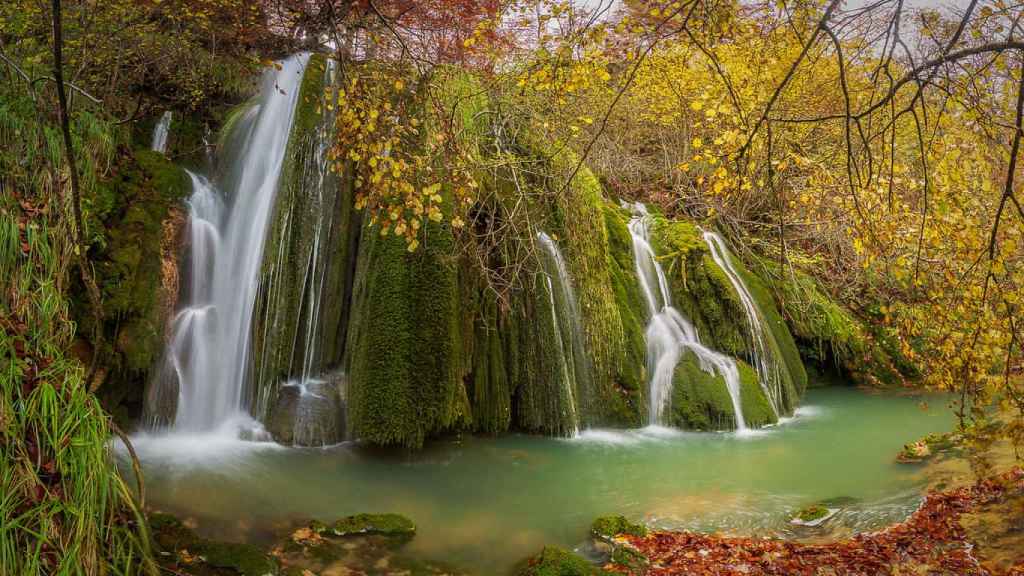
pixel 568 331
pixel 668 333
pixel 160 131
pixel 209 348
pixel 762 356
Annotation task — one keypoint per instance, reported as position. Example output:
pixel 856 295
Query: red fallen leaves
pixel 931 541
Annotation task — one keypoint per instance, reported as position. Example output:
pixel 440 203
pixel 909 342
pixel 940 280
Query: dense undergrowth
pixel 64 509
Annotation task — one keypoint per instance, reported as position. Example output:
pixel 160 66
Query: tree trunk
pixel 77 227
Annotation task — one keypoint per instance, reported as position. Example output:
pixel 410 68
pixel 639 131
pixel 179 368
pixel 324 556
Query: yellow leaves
pixel 696 105
pixel 398 180
pixel 697 143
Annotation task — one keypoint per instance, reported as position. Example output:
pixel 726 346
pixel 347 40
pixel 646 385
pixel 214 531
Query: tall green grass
pixel 64 508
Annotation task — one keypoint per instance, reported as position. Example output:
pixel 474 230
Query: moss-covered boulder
pixel 705 294
pixel 361 544
pixel 611 526
pixel 554 561
pixel 181 551
pixel 701 400
pixel 138 220
pixel 379 524
pixel 813 515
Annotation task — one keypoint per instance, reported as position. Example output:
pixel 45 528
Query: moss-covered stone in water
pixel 554 561
pixel 701 400
pixel 703 293
pixel 173 537
pixel 170 534
pixel 381 524
pixel 611 526
pixel 246 559
pixel 812 513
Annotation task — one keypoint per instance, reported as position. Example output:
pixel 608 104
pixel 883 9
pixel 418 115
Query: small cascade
pixel 160 131
pixel 206 363
pixel 567 326
pixel 300 317
pixel 668 333
pixel 762 356
pixel 309 412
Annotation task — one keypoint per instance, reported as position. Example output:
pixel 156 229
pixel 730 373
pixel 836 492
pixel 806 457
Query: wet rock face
pixel 310 413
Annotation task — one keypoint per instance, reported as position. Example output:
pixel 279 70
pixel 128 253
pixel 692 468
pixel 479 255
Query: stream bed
pixel 485 503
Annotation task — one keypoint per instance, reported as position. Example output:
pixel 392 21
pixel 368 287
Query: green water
pixel 484 504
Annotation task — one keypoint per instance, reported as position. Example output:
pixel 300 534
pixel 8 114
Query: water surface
pixel 484 503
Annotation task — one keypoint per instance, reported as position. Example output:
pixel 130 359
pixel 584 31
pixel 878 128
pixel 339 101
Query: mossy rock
pixel 703 292
pixel 814 515
pixel 379 524
pixel 832 337
pixel 554 561
pixel 207 556
pixel 246 559
pixel 170 534
pixel 611 526
pixel 136 216
pixel 701 400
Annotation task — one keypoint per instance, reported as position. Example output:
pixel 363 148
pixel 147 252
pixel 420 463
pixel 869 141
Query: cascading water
pixel 569 331
pixel 762 357
pixel 209 348
pixel 160 131
pixel 668 333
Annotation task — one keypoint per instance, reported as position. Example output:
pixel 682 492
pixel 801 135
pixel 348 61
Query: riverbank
pixel 968 530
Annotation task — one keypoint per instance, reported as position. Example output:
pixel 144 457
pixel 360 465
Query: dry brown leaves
pixel 931 541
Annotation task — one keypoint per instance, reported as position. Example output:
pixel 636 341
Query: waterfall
pixel 160 131
pixel 761 355
pixel 209 348
pixel 575 368
pixel 668 333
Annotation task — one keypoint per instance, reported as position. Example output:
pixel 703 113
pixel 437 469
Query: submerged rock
pixel 555 561
pixel 361 544
pixel 182 551
pixel 814 515
pixel 380 524
pixel 309 413
pixel 927 447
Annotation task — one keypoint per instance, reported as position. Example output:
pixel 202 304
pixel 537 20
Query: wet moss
pixel 611 526
pixel 554 561
pixel 700 289
pixel 130 213
pixel 700 400
pixel 703 293
pixel 812 513
pixel 309 254
pixel 782 340
pixel 627 406
pixel 405 345
pixel 206 557
pixel 757 410
pixel 379 524
pixel 831 337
